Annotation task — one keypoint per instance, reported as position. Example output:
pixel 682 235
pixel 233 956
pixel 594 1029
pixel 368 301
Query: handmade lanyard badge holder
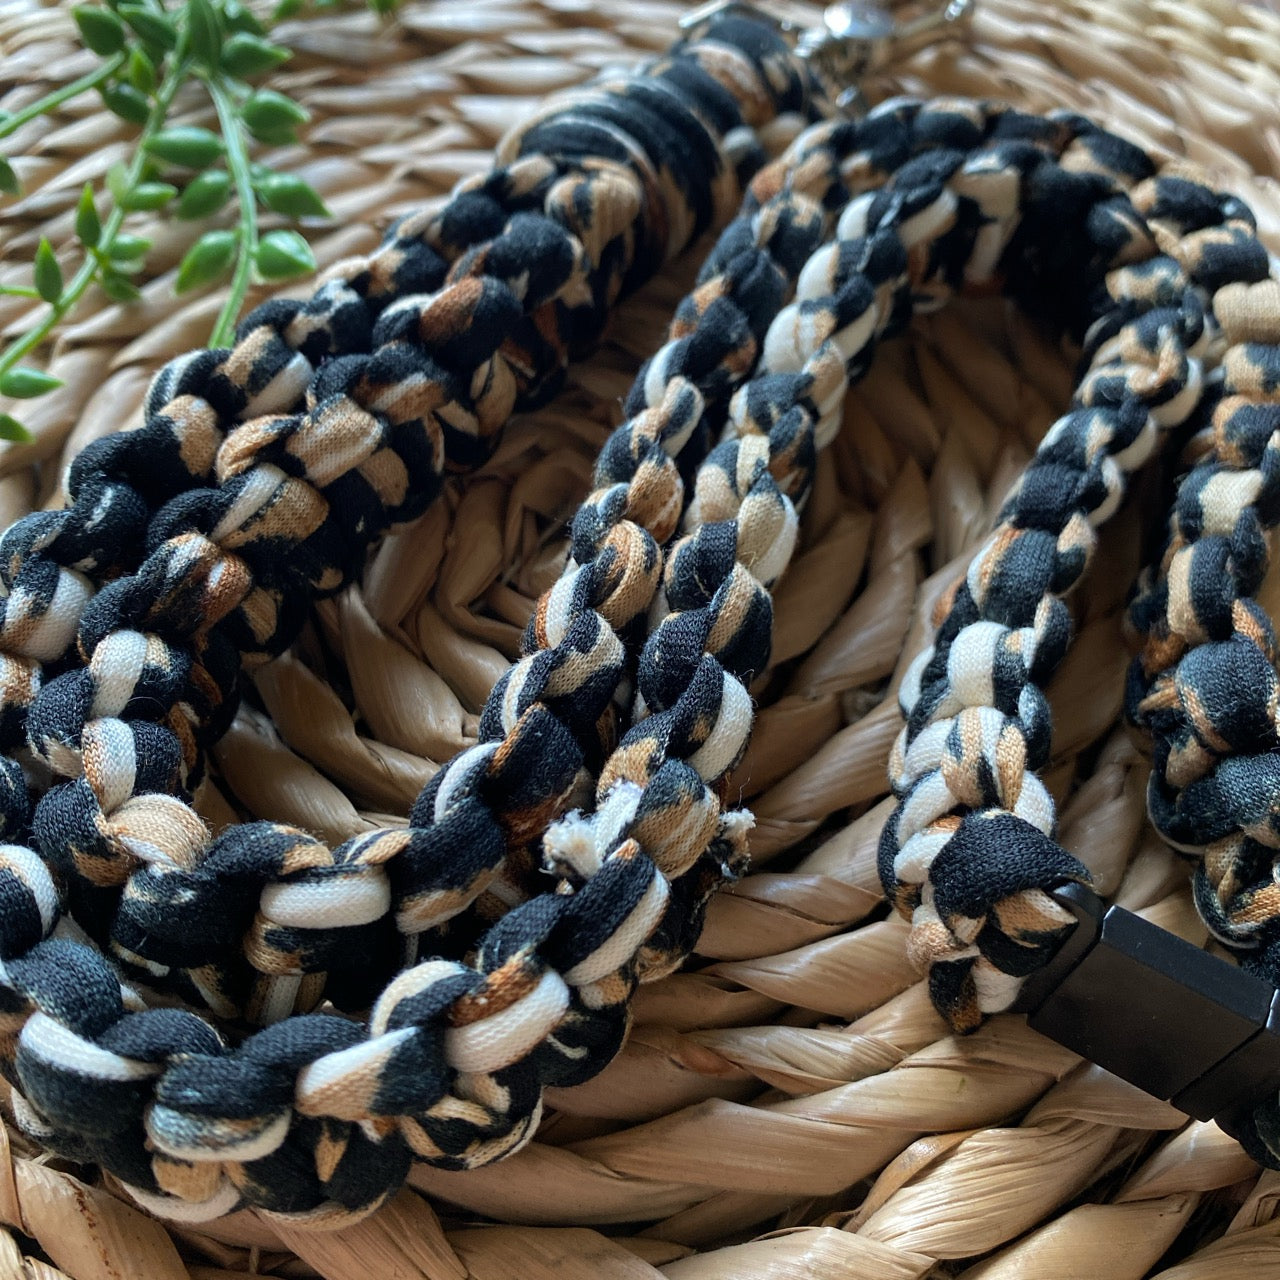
pixel 262 1020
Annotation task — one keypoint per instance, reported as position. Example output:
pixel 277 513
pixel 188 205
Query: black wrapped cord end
pixel 1153 1009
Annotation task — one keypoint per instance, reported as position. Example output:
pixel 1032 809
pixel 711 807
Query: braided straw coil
pixel 789 1105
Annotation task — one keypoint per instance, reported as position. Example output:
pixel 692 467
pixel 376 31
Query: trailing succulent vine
pixel 148 52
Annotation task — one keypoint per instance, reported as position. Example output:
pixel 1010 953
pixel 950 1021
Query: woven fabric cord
pixel 409 362
pixel 969 851
pixel 1204 685
pixel 341 928
pixel 318 1115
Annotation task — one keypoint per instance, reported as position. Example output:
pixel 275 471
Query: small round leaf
pixel 204 30
pixel 288 194
pixel 12 429
pixel 206 260
pixel 126 248
pixel 282 254
pixel 246 55
pixel 48 272
pixel 118 182
pixel 25 384
pixel 88 224
pixel 126 102
pixel 119 288
pixel 101 31
pixel 148 195
pixel 154 29
pixel 205 194
pixel 141 71
pixel 187 145
pixel 271 117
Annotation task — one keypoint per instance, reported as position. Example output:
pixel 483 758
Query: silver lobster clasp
pixel 856 39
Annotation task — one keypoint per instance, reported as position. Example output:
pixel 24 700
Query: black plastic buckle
pixel 1155 1010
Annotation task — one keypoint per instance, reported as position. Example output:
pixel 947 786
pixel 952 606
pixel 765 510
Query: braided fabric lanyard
pixel 968 853
pixel 258 481
pixel 320 1115
pixel 1204 685
pixel 262 474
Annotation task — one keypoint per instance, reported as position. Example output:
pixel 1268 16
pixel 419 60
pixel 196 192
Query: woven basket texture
pixel 787 1106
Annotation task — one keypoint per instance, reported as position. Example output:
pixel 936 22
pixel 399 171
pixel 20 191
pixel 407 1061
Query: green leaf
pixel 126 102
pixel 125 248
pixel 246 55
pixel 118 288
pixel 154 29
pixel 25 384
pixel 118 182
pixel 141 71
pixel 100 30
pixel 286 9
pixel 204 31
pixel 48 273
pixel 148 195
pixel 9 183
pixel 282 254
pixel 187 145
pixel 238 18
pixel 285 193
pixel 12 429
pixel 88 225
pixel 206 260
pixel 383 8
pixel 271 117
pixel 204 195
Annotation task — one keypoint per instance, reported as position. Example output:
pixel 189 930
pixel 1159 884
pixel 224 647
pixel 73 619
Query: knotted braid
pixel 588 200
pixel 948 218
pixel 659 796
pixel 969 852
pixel 318 1115
pixel 544 720
pixel 542 723
pixel 410 361
pixel 1204 685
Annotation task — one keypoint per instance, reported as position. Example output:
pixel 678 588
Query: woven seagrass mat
pixel 789 1105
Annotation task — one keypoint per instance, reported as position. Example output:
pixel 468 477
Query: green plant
pixel 148 52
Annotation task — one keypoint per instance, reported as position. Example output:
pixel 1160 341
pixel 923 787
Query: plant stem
pixel 247 248
pixel 90 80
pixel 83 278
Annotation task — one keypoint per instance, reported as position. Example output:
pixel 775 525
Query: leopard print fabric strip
pixel 1204 686
pixel 263 473
pixel 319 1115
pixel 337 924
pixel 1184 342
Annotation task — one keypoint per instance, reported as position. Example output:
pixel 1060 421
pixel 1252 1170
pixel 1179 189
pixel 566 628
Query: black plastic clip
pixel 1155 1010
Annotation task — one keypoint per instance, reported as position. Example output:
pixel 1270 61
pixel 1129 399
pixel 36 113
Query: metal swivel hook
pixel 854 40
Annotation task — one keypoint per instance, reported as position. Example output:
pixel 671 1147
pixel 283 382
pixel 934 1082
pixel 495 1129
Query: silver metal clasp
pixel 855 40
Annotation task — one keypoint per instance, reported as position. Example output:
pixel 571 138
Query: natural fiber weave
pixel 787 1080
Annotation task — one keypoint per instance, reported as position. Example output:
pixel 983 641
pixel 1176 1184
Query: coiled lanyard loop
pixel 321 1111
